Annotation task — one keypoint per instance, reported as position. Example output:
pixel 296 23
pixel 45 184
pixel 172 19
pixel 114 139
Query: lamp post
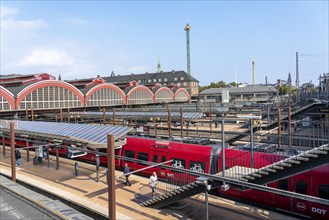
pixel 251 117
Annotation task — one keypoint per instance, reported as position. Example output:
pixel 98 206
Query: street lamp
pixel 251 117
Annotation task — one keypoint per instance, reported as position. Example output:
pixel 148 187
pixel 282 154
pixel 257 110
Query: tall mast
pixel 187 29
pixel 297 73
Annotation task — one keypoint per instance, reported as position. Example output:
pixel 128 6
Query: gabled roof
pixel 146 76
pixel 17 89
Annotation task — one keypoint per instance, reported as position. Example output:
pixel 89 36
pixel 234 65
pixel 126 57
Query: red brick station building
pixel 43 91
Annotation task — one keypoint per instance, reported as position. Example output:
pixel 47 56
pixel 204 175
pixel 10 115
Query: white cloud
pixel 54 62
pixel 11 24
pixel 46 58
pixel 6 11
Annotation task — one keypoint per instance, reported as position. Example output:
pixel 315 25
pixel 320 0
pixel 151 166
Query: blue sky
pixel 83 39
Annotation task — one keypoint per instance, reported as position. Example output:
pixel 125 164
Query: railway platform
pixel 84 192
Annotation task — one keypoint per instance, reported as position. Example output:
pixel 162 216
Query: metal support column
pixel 289 124
pixel 3 146
pixel 68 115
pixel 57 159
pixel 111 176
pixel 181 121
pixel 32 114
pixel 206 201
pixel 61 114
pixel 210 119
pixel 268 118
pixel 113 110
pixel 27 152
pixel 169 121
pixel 223 149
pixel 12 147
pixel 48 158
pixel 279 128
pixel 104 116
pixel 97 167
pixel 251 144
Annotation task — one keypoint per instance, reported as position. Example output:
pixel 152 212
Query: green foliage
pixel 285 89
pixel 220 84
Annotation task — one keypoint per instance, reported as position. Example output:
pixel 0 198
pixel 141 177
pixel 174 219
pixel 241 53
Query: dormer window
pixel 182 78
pixel 150 80
pixel 175 79
pixel 160 80
pixel 165 79
pixel 154 80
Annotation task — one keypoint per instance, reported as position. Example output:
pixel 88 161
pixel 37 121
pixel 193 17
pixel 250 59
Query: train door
pixel 283 202
pixel 302 185
pixel 162 157
pixel 160 154
pixel 118 161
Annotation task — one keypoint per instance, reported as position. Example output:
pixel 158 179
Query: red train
pixel 207 158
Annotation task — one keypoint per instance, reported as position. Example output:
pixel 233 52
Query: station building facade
pixel 55 94
pixel 239 94
pixel 169 79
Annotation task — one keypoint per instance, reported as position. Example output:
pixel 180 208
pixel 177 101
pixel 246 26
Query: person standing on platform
pixel 18 158
pixel 153 182
pixel 125 171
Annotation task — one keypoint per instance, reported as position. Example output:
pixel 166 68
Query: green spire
pixel 159 66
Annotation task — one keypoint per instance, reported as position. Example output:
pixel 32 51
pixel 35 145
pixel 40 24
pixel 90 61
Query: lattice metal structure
pixel 187 29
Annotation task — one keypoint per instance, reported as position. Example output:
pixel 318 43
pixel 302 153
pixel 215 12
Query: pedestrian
pixel 18 158
pixel 153 182
pixel 125 171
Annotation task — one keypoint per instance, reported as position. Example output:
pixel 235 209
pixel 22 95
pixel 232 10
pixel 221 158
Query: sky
pixel 83 39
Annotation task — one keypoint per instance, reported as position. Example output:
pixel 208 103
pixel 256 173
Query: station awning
pixel 93 136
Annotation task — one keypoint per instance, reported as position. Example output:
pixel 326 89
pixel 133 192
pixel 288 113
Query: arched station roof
pixel 8 96
pixel 46 83
pixel 91 90
pixel 178 91
pixel 160 90
pixel 132 89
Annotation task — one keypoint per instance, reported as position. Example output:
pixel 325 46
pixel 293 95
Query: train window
pixel 142 156
pixel 116 151
pixel 301 187
pixel 197 166
pixel 102 150
pixel 130 154
pixel 163 159
pixel 283 184
pixel 178 163
pixel 155 158
pixel 323 191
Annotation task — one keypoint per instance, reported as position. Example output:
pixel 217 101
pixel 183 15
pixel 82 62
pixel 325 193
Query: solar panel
pixel 96 134
pixel 186 115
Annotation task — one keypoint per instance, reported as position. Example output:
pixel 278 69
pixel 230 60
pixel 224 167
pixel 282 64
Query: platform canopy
pixel 137 115
pixel 93 136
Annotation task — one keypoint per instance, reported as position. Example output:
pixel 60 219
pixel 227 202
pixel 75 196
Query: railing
pixel 172 182
pixel 176 178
